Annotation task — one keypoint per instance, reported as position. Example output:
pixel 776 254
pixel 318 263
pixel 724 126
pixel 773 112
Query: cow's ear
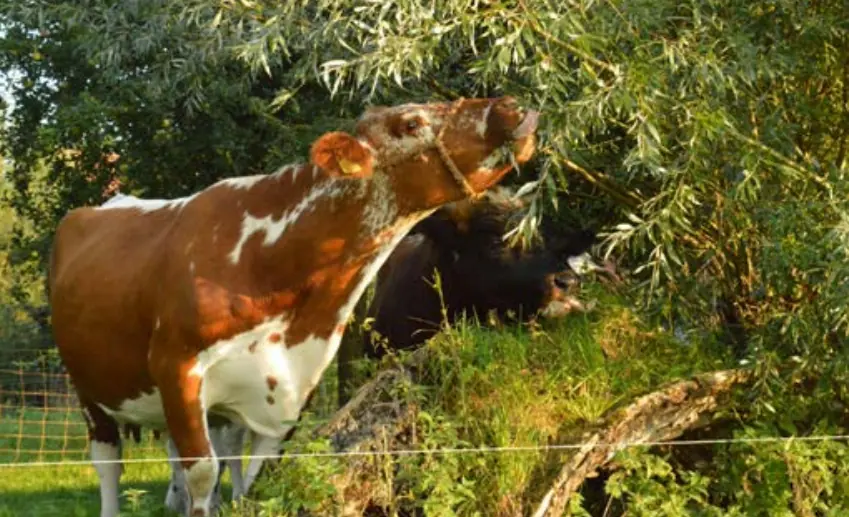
pixel 342 155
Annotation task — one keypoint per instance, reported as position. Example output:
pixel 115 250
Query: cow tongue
pixel 528 125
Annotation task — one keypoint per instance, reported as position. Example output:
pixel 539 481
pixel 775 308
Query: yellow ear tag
pixel 349 167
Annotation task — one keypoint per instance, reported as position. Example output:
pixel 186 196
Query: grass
pixel 514 386
pixel 509 386
pixel 29 435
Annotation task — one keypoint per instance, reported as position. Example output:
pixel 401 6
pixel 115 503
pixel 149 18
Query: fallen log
pixel 659 416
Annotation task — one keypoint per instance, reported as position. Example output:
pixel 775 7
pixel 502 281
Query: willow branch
pixel 622 196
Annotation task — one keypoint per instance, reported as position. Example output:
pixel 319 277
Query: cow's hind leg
pixel 262 447
pixel 176 498
pixel 232 443
pixel 105 441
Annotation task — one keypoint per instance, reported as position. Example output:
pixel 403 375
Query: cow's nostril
pixel 564 282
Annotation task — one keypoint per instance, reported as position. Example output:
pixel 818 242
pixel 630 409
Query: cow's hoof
pixel 175 501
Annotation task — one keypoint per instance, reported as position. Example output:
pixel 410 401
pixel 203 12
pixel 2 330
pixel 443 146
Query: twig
pixel 537 27
pixel 625 197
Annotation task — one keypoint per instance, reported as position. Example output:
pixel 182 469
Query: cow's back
pixel 103 275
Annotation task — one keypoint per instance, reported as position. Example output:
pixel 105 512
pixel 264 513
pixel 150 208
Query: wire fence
pixel 40 417
pixel 41 423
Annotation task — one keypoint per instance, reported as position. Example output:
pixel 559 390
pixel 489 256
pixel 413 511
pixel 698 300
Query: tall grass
pixel 510 386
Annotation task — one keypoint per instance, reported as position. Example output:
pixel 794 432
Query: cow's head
pixel 431 154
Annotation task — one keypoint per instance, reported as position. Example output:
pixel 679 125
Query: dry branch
pixel 662 415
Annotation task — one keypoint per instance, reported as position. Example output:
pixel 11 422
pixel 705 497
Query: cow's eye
pixel 412 125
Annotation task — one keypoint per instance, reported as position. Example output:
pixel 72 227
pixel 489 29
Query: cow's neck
pixel 338 235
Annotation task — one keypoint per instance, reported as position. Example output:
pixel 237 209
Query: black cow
pixel 479 274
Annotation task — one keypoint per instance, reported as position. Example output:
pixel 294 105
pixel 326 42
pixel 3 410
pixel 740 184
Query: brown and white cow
pixel 233 300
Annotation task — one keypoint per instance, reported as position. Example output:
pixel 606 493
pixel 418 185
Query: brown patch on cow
pixel 275 337
pixel 223 314
pixel 327 288
pixel 332 248
pixel 272 382
pixel 252 347
pixel 270 400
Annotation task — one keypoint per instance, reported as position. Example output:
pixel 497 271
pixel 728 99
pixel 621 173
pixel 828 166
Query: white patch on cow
pixel 481 125
pixel 394 149
pixel 192 267
pixel 290 169
pixel 109 475
pixel 274 228
pixel 241 182
pixel 157 324
pixel 144 205
pixel 145 409
pixel 235 373
pixel 201 478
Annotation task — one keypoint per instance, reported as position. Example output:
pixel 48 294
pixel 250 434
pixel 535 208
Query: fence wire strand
pixel 463 450
pixel 41 425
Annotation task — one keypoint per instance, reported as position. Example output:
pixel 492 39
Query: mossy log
pixel 659 416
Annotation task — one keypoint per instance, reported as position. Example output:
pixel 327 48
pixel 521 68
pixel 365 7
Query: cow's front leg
pixel 177 497
pixel 187 427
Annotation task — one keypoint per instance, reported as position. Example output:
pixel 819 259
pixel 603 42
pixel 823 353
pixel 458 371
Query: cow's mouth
pixel 523 136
